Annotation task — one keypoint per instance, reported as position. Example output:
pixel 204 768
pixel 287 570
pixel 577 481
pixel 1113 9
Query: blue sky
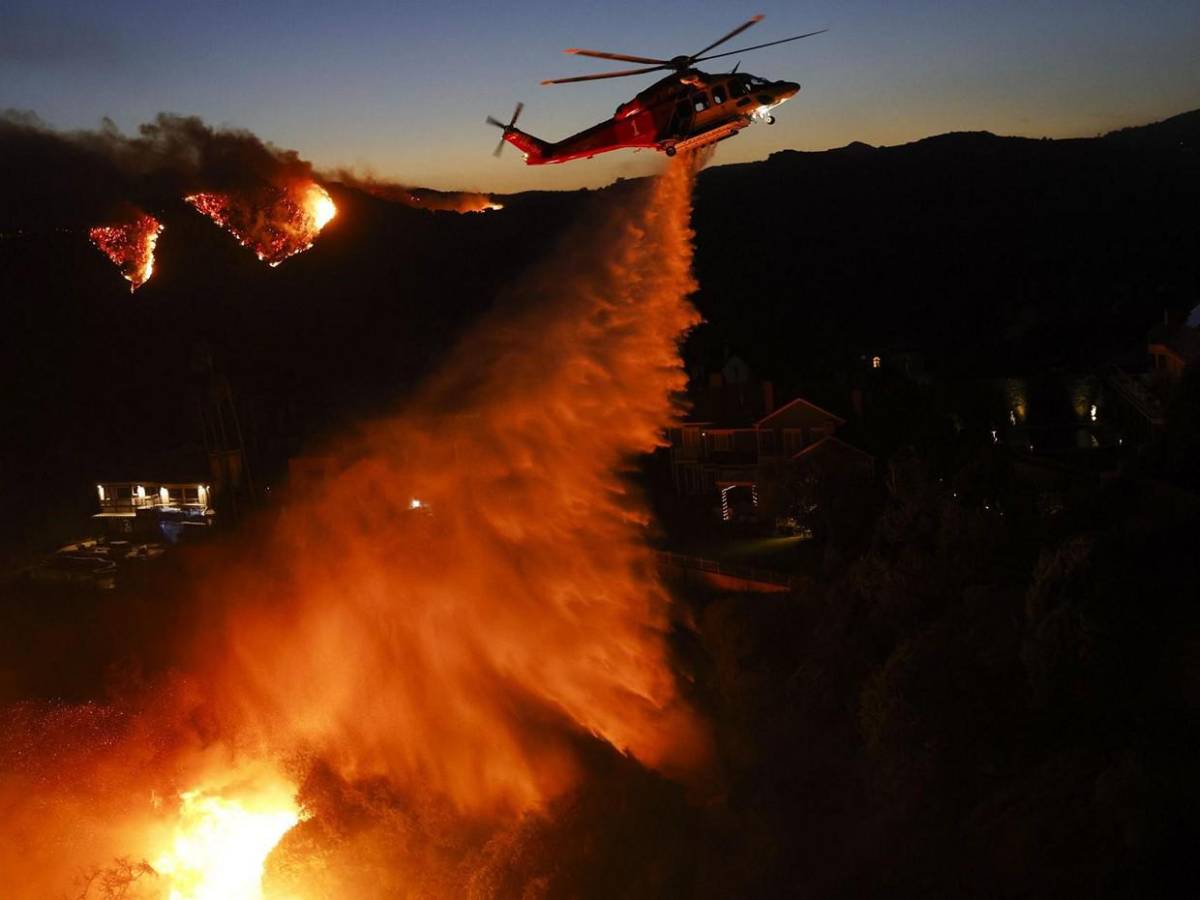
pixel 402 89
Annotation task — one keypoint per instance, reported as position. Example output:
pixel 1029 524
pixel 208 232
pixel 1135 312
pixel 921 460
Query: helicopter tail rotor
pixel 511 126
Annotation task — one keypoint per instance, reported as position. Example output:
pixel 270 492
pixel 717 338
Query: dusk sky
pixel 401 90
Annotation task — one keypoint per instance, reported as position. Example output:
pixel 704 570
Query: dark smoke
pixel 416 197
pixel 77 179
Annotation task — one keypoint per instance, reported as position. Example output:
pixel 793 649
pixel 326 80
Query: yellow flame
pixel 320 206
pixel 220 844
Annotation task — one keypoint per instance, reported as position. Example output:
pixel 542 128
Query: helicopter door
pixel 681 118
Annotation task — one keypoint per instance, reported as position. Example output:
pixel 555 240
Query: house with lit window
pixel 728 456
pixel 161 509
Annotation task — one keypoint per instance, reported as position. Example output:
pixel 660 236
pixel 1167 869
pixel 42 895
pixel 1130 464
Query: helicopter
pixel 685 110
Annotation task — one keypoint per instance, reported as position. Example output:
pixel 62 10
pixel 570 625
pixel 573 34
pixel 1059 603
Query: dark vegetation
pixel 967 701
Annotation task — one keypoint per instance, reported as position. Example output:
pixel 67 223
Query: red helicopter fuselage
pixel 683 111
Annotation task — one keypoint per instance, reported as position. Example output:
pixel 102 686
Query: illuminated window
pixel 700 101
pixel 718 94
pixel 876 362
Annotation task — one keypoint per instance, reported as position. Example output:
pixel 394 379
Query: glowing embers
pixel 130 247
pixel 274 223
pixel 220 843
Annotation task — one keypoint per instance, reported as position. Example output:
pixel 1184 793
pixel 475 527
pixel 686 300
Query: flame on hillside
pixel 219 843
pixel 275 223
pixel 452 201
pixel 130 247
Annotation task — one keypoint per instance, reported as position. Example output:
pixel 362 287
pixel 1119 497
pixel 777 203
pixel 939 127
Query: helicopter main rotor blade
pixel 727 37
pixel 492 120
pixel 621 74
pixel 623 57
pixel 759 46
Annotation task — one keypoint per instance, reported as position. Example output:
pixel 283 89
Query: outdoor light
pixel 164 495
pixel 414 503
pixel 1093 412
pixel 100 491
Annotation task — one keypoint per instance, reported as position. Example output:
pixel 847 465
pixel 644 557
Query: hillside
pixel 986 253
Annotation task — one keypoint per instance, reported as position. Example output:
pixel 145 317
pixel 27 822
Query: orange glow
pixel 130 247
pixel 448 627
pixel 219 844
pixel 319 205
pixel 275 224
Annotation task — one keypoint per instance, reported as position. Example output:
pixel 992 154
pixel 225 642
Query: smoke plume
pixel 417 197
pixel 83 178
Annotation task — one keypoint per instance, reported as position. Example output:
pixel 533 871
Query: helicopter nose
pixel 787 89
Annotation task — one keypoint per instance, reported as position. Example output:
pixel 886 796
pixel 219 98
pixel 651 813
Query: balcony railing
pixel 1138 395
pixel 670 560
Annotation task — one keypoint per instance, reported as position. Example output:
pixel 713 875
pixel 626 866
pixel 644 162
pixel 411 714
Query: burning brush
pixel 274 223
pixel 130 247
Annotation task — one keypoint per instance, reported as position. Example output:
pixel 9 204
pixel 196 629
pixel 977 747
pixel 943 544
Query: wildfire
pixel 274 223
pixel 130 247
pixel 459 611
pixel 220 844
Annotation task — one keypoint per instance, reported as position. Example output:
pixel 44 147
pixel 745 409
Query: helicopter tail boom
pixel 535 149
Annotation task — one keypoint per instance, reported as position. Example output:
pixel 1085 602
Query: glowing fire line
pixel 130 247
pixel 274 224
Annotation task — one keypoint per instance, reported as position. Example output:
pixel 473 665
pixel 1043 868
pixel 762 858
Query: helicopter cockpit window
pixel 718 94
pixel 737 87
pixel 700 101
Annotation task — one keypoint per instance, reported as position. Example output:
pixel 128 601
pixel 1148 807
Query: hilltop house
pixel 1172 348
pixel 736 435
